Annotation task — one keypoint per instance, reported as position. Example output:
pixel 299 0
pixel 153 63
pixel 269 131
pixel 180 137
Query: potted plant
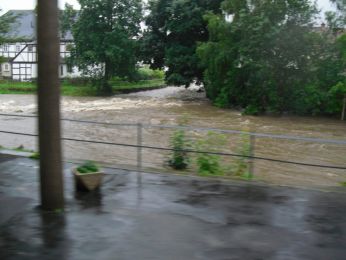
pixel 87 176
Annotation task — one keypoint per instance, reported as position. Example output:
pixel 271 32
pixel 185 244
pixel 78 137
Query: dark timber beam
pixel 52 195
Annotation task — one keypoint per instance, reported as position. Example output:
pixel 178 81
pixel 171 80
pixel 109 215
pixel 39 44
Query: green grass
pixel 123 85
pixel 35 156
pixel 9 87
pixel 343 184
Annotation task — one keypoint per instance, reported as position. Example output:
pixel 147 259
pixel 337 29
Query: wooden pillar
pixel 52 196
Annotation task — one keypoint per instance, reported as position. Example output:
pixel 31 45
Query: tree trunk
pixel 106 87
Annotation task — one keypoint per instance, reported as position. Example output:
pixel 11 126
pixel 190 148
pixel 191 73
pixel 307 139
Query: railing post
pixel 139 145
pixel 139 153
pixel 252 154
pixel 343 109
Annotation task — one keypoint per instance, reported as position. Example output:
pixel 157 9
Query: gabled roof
pixel 24 27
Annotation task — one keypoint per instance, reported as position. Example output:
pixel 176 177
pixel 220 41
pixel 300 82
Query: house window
pixel 6 47
pixel 62 70
pixel 6 67
pixel 17 48
pixel 30 48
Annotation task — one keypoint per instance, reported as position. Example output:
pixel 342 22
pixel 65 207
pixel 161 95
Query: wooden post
pixel 52 195
pixel 343 110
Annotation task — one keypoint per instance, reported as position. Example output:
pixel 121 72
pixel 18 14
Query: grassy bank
pixel 68 89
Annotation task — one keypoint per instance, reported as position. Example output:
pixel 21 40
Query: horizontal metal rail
pixel 190 151
pixel 75 120
pixel 192 128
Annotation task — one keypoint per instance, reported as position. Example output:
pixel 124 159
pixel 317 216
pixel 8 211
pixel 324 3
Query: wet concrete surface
pixel 168 217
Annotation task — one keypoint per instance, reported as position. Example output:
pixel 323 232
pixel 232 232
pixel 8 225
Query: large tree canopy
pixel 175 27
pixel 266 57
pixel 105 38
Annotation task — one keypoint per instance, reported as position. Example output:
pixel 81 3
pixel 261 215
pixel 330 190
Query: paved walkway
pixel 168 217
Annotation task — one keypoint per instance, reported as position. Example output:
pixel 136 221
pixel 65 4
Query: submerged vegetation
pixel 205 159
pixel 210 164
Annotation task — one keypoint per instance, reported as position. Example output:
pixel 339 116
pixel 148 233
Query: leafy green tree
pixel 5 24
pixel 341 9
pixel 105 36
pixel 67 19
pixel 175 27
pixel 259 54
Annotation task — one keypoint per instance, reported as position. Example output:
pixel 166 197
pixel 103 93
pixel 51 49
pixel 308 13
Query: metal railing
pixel 251 156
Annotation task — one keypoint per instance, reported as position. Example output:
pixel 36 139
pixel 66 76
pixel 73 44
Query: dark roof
pixel 25 26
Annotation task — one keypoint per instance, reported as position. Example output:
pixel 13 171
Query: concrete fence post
pixel 51 177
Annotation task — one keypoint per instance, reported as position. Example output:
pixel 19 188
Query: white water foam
pixel 75 105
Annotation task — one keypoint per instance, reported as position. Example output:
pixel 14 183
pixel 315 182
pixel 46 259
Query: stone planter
pixel 87 181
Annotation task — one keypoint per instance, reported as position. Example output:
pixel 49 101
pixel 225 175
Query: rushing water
pixel 167 107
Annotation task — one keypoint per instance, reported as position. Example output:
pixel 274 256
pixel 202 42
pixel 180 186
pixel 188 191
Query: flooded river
pixel 170 105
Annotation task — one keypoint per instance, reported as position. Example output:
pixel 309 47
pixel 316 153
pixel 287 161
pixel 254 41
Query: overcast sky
pixel 6 5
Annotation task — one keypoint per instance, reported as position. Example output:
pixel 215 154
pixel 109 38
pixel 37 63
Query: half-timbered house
pixel 19 53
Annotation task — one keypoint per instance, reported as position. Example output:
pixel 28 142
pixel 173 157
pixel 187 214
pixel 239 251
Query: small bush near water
pixel 179 158
pixel 209 164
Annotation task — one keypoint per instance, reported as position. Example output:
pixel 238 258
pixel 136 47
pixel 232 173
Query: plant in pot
pixel 88 177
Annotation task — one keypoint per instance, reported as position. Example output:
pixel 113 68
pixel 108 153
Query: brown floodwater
pixel 171 105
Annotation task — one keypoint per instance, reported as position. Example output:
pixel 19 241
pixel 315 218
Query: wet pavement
pixel 168 217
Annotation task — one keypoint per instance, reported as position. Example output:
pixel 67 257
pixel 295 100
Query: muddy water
pixel 167 107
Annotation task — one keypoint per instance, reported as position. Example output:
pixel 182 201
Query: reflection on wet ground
pixel 169 217
pixel 166 107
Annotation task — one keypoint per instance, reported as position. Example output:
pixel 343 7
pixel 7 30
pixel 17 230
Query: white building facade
pixel 20 55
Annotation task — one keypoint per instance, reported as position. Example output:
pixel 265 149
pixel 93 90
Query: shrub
pixel 242 164
pixel 78 81
pixel 146 73
pixel 179 159
pixel 251 110
pixel 88 167
pixel 209 164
